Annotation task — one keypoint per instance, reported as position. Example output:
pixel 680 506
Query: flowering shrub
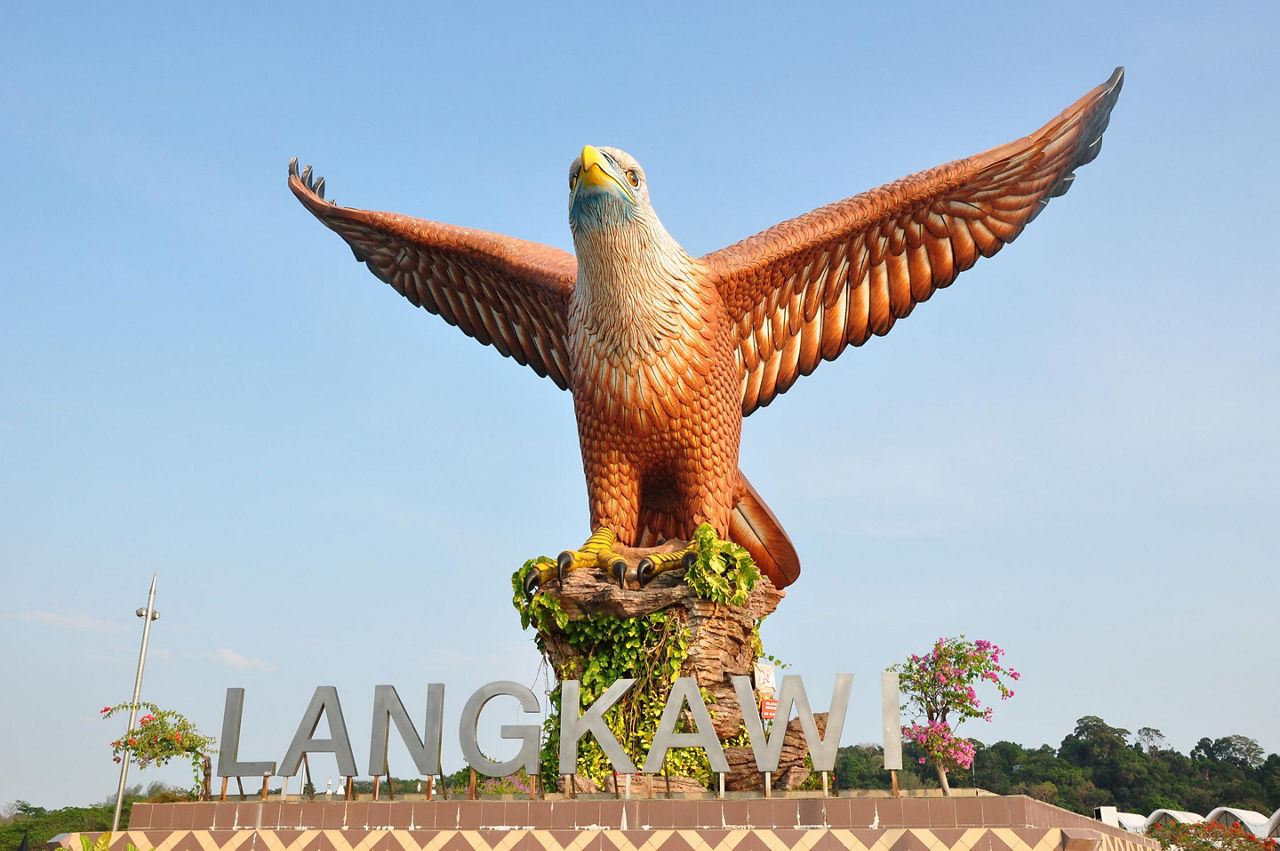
pixel 160 736
pixel 940 686
pixel 1206 836
pixel 936 738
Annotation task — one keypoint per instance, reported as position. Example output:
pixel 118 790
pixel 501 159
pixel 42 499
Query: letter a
pixel 324 703
pixel 685 690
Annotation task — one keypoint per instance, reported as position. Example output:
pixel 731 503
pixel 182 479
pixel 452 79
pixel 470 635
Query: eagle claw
pixel 537 575
pixel 651 567
pixel 564 564
pixel 619 569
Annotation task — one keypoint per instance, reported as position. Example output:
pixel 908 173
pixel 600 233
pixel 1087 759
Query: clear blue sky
pixel 1070 452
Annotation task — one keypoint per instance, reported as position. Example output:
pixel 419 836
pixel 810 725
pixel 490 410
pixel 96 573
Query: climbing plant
pixel 652 649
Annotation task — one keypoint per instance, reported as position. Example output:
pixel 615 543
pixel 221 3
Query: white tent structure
pixel 1172 817
pixel 1250 821
pixel 1132 822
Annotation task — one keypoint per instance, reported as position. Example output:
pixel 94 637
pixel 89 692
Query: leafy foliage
pixel 103 843
pixel 650 649
pixel 724 571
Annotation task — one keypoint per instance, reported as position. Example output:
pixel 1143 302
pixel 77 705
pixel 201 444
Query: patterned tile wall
pixel 987 823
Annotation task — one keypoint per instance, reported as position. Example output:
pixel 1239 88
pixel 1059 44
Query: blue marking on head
pixel 597 208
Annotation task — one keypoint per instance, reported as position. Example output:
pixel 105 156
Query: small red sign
pixel 768 709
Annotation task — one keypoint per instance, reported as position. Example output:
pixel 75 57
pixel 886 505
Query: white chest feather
pixel 639 331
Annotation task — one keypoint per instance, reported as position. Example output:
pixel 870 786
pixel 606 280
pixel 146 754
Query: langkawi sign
pixel 575 723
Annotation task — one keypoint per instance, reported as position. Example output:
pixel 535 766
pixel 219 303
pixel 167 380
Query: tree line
pixel 1097 765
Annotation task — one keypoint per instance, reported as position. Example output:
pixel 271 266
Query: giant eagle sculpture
pixel 665 353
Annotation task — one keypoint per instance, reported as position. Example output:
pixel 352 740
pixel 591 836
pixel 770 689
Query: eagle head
pixel 607 190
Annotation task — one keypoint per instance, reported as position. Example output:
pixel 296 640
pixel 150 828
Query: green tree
pixel 1098 764
pixel 43 824
pixel 861 767
pixel 1092 742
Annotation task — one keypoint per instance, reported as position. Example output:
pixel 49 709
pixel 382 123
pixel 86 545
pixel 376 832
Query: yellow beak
pixel 598 171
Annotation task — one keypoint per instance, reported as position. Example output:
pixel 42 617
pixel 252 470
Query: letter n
pixel 425 751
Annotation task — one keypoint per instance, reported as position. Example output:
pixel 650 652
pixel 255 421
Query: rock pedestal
pixel 723 643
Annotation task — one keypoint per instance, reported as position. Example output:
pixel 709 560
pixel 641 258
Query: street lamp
pixel 148 615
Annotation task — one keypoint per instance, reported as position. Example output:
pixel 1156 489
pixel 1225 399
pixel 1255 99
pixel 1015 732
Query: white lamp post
pixel 148 614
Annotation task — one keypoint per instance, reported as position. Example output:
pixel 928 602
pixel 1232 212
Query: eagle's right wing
pixel 803 290
pixel 505 292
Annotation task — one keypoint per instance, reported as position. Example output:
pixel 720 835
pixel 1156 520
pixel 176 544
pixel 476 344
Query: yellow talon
pixel 601 541
pixel 538 575
pixel 659 563
pixel 596 552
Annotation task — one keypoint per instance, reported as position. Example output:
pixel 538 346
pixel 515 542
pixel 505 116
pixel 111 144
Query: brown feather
pixel 754 527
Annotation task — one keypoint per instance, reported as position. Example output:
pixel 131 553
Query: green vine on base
pixel 724 571
pixel 651 649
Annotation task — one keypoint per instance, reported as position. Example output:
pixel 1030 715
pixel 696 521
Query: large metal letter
pixel 685 690
pixel 527 758
pixel 574 726
pixel 768 750
pixel 425 751
pixel 891 716
pixel 228 762
pixel 323 702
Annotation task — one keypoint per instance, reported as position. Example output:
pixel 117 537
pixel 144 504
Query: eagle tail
pixel 754 527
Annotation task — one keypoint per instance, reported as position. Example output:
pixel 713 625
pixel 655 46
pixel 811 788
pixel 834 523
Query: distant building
pixel 1248 820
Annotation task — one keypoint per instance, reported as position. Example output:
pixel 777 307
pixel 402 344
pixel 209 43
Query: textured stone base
pixel 811 824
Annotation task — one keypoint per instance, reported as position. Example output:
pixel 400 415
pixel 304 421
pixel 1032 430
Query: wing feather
pixel 802 291
pixel 507 293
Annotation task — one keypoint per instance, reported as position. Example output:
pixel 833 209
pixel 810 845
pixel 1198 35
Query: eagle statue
pixel 665 353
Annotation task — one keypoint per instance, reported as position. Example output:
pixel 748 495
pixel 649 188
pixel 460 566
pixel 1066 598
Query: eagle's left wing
pixel 805 289
pixel 508 293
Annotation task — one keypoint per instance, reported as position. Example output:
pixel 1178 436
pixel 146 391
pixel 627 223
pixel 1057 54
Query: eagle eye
pixel 573 181
pixel 633 177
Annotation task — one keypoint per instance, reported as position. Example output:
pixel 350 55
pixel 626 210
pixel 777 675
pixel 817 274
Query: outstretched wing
pixel 506 293
pixel 803 290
